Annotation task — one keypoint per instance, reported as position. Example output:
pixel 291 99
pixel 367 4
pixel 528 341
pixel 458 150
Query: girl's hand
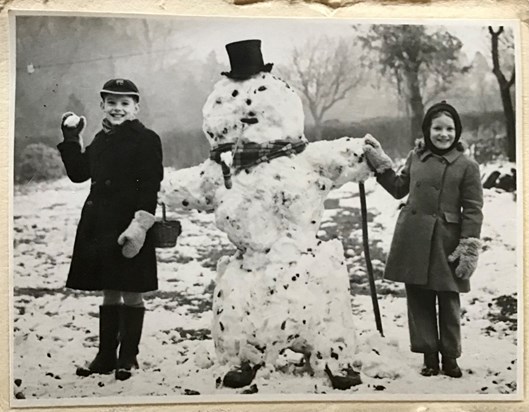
pixel 377 159
pixel 467 253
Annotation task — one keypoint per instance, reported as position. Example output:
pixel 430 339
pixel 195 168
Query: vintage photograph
pixel 217 208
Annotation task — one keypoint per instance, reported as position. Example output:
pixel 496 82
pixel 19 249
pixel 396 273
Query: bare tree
pixel 420 62
pixel 324 70
pixel 505 91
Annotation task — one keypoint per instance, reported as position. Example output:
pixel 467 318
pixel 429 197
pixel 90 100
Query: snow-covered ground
pixel 55 329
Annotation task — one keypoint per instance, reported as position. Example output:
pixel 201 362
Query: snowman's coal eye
pixel 251 114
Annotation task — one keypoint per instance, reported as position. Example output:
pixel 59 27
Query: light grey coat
pixel 444 205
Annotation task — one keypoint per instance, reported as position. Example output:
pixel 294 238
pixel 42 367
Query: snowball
pixel 72 121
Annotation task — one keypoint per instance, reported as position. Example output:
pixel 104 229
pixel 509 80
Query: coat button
pixel 108 182
pixel 434 214
pixel 93 183
pixel 89 203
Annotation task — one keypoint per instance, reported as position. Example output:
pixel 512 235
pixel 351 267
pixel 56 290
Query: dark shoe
pixel 131 325
pixel 431 364
pixel 351 378
pixel 241 376
pixel 451 368
pixel 106 359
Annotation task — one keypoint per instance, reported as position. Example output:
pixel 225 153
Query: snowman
pixel 284 290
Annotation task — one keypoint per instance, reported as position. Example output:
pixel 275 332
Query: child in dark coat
pixel 114 250
pixel 436 242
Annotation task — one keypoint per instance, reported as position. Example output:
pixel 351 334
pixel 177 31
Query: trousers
pixel 433 330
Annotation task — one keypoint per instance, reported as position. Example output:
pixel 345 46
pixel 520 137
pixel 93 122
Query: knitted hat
pixel 120 86
pixel 427 123
pixel 246 60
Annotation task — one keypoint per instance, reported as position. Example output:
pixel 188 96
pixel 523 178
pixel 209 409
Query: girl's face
pixel 442 132
pixel 119 108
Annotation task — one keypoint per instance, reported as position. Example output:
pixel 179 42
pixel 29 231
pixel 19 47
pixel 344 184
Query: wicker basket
pixel 165 232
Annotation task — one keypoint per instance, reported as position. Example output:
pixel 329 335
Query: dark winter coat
pixel 444 205
pixel 125 169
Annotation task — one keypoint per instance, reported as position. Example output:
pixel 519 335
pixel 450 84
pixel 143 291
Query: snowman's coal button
pixel 235 93
pixel 248 102
pixel 262 88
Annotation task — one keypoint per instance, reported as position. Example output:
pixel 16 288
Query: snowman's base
pixel 304 305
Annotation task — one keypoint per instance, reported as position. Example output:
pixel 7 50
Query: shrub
pixel 487 143
pixel 38 162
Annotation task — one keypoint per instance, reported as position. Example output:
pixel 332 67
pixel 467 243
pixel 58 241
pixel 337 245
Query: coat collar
pixel 128 131
pixel 423 152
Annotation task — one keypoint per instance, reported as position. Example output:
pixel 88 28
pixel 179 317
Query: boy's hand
pixel 71 127
pixel 467 252
pixel 377 159
pixel 133 237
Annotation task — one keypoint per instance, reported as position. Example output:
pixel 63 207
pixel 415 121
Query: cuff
pixel 144 219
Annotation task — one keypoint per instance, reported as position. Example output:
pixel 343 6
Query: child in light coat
pixel 436 243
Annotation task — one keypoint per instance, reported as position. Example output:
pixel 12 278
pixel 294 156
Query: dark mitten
pixel 467 253
pixel 72 126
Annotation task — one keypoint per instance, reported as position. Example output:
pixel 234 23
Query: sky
pixel 279 36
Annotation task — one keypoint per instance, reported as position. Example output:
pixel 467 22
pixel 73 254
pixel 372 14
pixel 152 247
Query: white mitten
pixel 133 237
pixel 467 252
pixel 377 159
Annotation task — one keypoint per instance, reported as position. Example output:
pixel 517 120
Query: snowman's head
pixel 259 109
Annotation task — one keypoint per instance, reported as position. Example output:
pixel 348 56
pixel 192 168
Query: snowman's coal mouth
pixel 249 120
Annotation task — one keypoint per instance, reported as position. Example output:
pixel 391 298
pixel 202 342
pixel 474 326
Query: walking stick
pixel 367 256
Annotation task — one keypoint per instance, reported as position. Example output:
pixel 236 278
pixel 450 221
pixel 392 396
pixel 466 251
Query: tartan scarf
pixel 108 127
pixel 249 154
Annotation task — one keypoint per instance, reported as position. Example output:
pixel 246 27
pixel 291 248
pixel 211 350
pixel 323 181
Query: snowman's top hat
pixel 246 60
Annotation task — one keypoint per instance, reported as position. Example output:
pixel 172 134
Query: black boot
pixel 451 368
pixel 346 380
pixel 130 334
pixel 241 376
pixel 105 360
pixel 431 364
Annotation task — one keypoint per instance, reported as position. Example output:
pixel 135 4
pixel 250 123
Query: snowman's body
pixel 284 288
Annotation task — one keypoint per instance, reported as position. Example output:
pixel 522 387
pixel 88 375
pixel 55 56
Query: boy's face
pixel 442 132
pixel 119 108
